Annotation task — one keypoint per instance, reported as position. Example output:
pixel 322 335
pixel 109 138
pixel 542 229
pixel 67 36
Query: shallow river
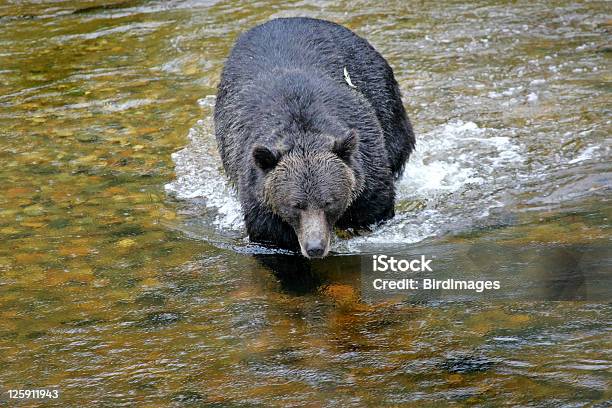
pixel 125 275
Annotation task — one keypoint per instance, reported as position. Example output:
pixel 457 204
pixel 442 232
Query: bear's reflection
pixel 560 274
pixel 300 276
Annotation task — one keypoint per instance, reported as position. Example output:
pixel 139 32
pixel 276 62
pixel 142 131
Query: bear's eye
pixel 299 206
pixel 328 203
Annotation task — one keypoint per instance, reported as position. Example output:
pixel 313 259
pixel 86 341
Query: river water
pixel 126 278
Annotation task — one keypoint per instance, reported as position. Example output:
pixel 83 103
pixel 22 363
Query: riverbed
pixel 127 279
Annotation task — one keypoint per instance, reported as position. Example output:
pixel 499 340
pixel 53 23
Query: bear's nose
pixel 315 249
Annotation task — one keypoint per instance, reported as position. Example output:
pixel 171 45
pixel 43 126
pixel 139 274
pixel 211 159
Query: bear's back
pixel 306 44
pixel 292 43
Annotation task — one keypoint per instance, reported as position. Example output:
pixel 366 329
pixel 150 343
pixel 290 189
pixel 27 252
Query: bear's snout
pixel 314 234
pixel 315 248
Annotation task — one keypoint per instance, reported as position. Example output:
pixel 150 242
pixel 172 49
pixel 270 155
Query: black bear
pixel 312 132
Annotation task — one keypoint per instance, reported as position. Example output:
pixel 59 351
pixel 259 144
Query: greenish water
pixel 125 279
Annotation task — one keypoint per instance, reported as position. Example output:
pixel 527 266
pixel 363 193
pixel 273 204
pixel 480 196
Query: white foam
pixel 586 154
pixel 199 174
pixel 208 101
pixel 532 97
pixel 448 158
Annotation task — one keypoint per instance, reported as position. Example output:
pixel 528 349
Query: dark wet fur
pixel 283 88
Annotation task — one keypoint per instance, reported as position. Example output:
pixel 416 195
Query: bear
pixel 311 131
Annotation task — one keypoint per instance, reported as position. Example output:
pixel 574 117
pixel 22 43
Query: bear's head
pixel 310 186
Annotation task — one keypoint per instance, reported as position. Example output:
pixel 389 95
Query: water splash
pixel 199 174
pixel 450 160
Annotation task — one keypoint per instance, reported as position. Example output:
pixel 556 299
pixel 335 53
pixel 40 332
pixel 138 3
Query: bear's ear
pixel 264 158
pixel 346 146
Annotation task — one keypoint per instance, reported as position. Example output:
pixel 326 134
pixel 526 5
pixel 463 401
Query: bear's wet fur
pixel 303 144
